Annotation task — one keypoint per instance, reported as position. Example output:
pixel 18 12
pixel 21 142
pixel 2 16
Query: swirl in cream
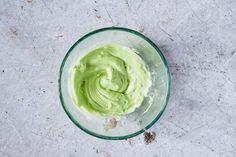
pixel 110 80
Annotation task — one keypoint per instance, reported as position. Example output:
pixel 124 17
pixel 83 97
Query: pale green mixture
pixel 110 80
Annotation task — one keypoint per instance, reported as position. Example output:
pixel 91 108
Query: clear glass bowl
pixel 154 103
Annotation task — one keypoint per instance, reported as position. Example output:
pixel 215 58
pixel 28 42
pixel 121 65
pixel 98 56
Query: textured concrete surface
pixel 198 39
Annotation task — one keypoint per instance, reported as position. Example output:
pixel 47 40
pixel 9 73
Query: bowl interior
pixel 154 103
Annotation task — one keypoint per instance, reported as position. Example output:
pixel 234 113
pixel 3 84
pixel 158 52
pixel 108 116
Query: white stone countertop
pixel 198 39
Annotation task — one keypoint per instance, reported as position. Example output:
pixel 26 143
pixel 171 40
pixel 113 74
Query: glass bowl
pixel 153 105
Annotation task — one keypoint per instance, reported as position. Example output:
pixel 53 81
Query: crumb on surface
pixel 141 30
pixel 149 137
pixel 130 141
pixel 111 124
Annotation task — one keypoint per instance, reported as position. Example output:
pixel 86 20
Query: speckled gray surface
pixel 198 39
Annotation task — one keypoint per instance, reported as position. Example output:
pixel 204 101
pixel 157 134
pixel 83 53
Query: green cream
pixel 110 80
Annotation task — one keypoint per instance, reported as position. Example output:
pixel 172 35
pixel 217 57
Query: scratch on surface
pixel 185 132
pixel 108 14
pixel 232 13
pixel 60 36
pixel 194 13
pixel 49 130
pixel 165 32
pixel 50 10
pixel 207 146
pixel 141 2
pixel 15 129
pixel 169 35
pixel 46 135
pixel 179 36
pixel 227 154
pixel 221 72
pixel 127 2
pixel 233 147
pixel 207 66
pixel 199 127
pixel 178 126
pixel 5 154
pixel 37 134
pixel 167 129
pixel 223 112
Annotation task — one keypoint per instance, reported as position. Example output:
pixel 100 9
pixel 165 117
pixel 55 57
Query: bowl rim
pixel 124 136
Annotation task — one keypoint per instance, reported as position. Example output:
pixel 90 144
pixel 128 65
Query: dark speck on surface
pixel 220 53
pixel 97 16
pixel 95 10
pixel 232 53
pixel 14 31
pixel 219 98
pixel 60 36
pixel 3 71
